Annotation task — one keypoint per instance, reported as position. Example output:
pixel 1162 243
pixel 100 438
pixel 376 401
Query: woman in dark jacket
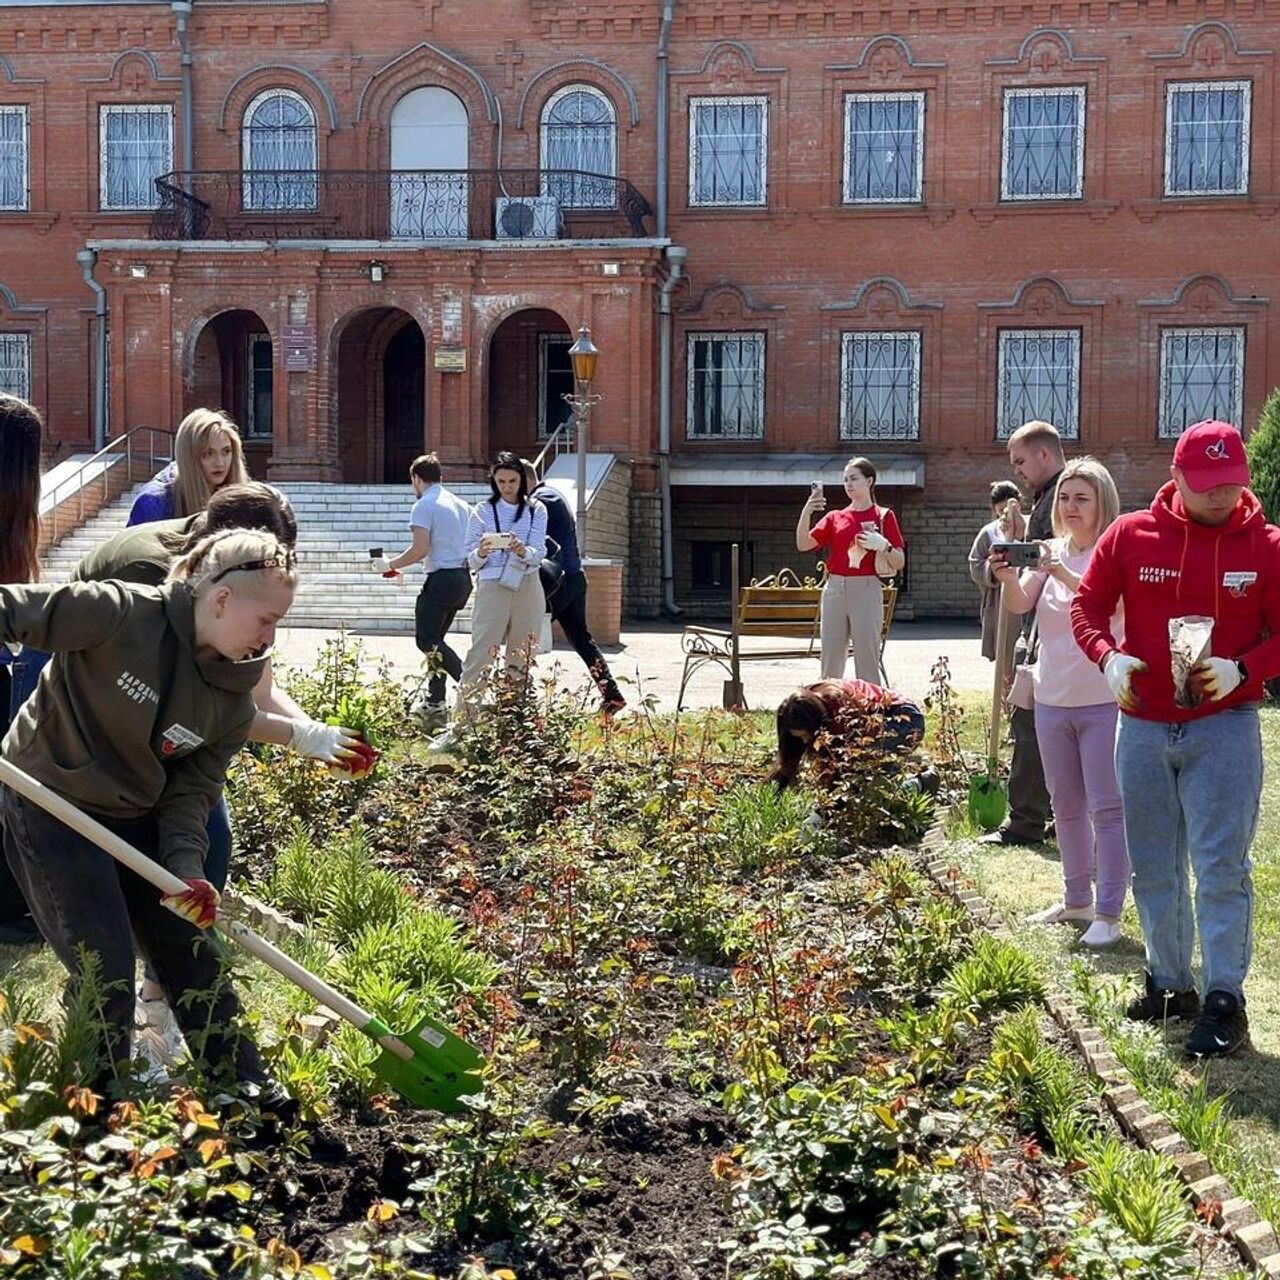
pixel 148 697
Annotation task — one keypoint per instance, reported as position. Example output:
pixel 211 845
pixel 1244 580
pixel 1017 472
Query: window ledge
pixel 111 218
pixel 937 214
pixel 1260 206
pixel 41 222
pixel 1098 210
pixel 716 211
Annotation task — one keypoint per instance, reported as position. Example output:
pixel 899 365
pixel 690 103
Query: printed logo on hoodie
pixel 135 689
pixel 1156 573
pixel 176 737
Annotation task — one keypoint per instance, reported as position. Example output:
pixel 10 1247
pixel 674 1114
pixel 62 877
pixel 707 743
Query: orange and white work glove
pixel 198 902
pixel 1120 670
pixel 1215 678
pixel 328 743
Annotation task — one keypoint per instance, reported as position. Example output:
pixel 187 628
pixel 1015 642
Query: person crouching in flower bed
pixel 819 716
pixel 148 698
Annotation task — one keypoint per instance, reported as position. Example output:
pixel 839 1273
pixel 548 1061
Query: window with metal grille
pixel 1206 138
pixel 1038 380
pixel 1201 376
pixel 725 393
pixel 879 386
pixel 135 147
pixel 883 148
pixel 1042 148
pixel 279 152
pixel 727 151
pixel 13 158
pixel 555 381
pixel 15 364
pixel 580 134
pixel 261 386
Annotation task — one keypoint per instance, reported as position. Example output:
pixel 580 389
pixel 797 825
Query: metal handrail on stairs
pixel 106 460
pixel 558 442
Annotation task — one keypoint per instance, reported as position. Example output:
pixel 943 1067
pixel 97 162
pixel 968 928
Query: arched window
pixel 279 141
pixel 580 148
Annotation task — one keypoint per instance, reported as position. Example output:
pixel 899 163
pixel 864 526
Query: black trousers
pixel 1029 810
pixel 443 594
pixel 569 609
pixel 81 896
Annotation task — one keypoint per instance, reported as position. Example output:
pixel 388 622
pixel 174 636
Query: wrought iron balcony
pixel 412 205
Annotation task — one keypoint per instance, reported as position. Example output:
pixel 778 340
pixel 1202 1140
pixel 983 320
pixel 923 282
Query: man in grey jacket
pixel 1006 525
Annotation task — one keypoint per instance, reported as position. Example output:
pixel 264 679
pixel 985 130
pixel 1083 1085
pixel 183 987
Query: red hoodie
pixel 1164 565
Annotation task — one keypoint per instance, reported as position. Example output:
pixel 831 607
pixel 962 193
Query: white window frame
pixel 1175 87
pixel 603 195
pixel 1076 91
pixel 849 340
pixel 1171 431
pixel 1069 428
pixel 306 185
pixel 105 111
pixel 25 197
pixel 545 342
pixel 850 99
pixel 722 100
pixel 16 342
pixel 755 338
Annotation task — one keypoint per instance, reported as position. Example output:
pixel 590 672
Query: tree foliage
pixel 1263 447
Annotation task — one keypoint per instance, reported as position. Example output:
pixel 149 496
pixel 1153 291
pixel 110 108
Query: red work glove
pixel 197 903
pixel 391 573
pixel 358 763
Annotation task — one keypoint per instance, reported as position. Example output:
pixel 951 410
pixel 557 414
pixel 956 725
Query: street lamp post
pixel 583 355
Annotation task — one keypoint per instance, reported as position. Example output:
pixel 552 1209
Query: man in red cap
pixel 1191 776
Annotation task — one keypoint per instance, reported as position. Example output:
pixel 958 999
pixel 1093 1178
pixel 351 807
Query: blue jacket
pixel 155 502
pixel 561 526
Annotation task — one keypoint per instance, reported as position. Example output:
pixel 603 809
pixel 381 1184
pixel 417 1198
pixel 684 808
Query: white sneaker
pixel 1060 914
pixel 1101 933
pixel 158 1031
pixel 443 743
pixel 430 715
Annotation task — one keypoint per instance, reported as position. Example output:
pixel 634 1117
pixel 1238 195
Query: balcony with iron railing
pixel 411 205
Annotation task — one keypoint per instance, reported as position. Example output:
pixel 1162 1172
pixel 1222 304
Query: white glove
pixel 329 743
pixel 1119 671
pixel 873 540
pixel 1215 678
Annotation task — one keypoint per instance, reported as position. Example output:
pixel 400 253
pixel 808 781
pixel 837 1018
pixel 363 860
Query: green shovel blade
pixel 442 1070
pixel 988 802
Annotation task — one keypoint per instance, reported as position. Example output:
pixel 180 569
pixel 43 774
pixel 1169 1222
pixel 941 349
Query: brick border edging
pixel 1237 1218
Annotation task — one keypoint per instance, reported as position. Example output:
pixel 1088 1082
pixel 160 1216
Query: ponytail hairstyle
pixel 238 557
pixel 20 433
pixel 252 505
pixel 804 710
pixel 508 461
pixel 197 430
pixel 867 467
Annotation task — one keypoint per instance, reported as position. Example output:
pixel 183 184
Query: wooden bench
pixel 781 607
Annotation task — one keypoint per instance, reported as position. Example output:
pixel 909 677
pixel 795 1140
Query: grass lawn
pixel 1019 881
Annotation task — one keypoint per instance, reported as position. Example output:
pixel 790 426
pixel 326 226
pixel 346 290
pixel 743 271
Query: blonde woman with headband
pixel 148 699
pixel 1075 714
pixel 207 455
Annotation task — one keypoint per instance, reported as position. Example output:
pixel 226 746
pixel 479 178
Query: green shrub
pixel 1263 448
pixel 759 822
pixel 996 976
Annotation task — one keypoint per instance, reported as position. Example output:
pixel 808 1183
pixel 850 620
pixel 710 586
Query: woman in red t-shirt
pixel 835 707
pixel 863 544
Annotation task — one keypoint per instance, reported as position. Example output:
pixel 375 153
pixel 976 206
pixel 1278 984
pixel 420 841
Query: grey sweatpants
pixel 852 611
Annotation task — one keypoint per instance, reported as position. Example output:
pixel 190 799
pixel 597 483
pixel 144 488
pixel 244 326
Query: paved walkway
pixel 649 659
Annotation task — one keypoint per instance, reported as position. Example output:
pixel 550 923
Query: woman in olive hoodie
pixel 146 701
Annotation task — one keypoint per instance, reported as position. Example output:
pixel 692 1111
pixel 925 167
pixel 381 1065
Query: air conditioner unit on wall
pixel 528 218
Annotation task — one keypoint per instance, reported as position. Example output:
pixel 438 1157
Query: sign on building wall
pixel 451 359
pixel 299 341
pixel 451 320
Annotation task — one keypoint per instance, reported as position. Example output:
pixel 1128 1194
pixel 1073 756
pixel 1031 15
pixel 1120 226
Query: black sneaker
pixel 1154 1005
pixel 1223 1027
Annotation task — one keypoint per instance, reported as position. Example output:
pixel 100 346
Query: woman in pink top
pixel 1075 712
pixel 862 542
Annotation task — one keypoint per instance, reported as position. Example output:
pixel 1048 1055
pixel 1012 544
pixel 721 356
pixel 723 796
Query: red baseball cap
pixel 1210 454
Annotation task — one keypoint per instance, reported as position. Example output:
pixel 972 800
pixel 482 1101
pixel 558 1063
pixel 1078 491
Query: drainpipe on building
pixel 182 12
pixel 88 259
pixel 664 38
pixel 676 256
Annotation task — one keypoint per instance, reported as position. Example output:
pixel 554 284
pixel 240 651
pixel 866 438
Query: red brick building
pixel 907 231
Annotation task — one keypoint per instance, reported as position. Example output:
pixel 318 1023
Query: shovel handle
pixel 169 884
pixel 997 692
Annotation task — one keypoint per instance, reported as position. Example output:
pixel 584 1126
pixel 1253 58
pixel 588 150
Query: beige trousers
pixel 501 618
pixel 852 611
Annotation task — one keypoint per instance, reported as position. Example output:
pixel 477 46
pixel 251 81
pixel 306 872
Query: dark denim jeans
pixel 569 609
pixel 443 594
pixel 81 897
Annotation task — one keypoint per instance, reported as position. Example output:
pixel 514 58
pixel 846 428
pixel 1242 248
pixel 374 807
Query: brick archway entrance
pixel 529 371
pixel 232 368
pixel 381 400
